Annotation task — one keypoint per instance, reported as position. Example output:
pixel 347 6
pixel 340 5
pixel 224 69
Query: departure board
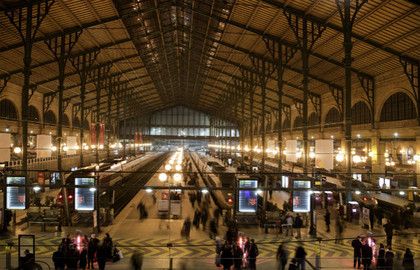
pixel 15 195
pixel 248 201
pixel 301 198
pixel 84 196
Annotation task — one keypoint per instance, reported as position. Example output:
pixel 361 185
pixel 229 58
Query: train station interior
pixel 209 134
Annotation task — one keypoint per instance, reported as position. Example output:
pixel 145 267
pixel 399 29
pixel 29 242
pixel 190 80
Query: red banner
pixel 92 134
pixel 101 134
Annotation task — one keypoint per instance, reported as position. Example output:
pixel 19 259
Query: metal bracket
pixel 264 69
pixel 368 84
pixel 316 101
pixel 299 107
pixel 100 72
pixel 32 90
pixel 84 62
pixel 412 71
pixel 3 83
pixel 341 10
pixel 61 46
pixel 281 53
pixel 75 110
pixel 299 23
pixel 66 103
pixel 39 10
pixel 287 112
pixel 338 97
pixel 47 100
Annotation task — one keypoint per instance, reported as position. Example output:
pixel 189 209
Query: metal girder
pixel 75 110
pixel 4 79
pixel 412 71
pixel 314 19
pixel 32 90
pixel 299 107
pixel 61 46
pixel 337 93
pixel 316 102
pixel 368 85
pixel 287 110
pixel 47 100
pixel 280 53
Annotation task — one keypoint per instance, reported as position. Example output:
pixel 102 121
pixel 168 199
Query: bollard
pixel 171 260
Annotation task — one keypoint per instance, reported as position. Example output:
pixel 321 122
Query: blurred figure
pixel 226 256
pixel 298 226
pixel 58 259
pixel 137 260
pixel 282 257
pixel 213 228
pixel 196 218
pixel 107 243
pixel 389 231
pixel 72 258
pixel 389 259
pixel 327 219
pixel 28 261
pixel 253 254
pixel 92 249
pixel 238 256
pixel 300 257
pixel 408 260
pixel 357 252
pixel 366 255
pixel 381 258
pixel 101 257
pixel 293 264
pixel 186 228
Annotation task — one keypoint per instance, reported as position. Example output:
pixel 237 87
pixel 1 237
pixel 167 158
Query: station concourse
pixel 219 134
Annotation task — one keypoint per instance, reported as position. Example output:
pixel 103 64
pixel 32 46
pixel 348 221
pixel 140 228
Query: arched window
pixel 286 123
pixel 360 113
pixel 8 110
pixel 76 122
pixel 276 125
pixel 298 123
pixel 86 124
pixel 33 114
pixel 66 120
pixel 313 119
pixel 399 106
pixel 49 118
pixel 333 117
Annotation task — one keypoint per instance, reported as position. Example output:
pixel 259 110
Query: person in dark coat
pixel 226 256
pixel 367 255
pixel 282 257
pixel 298 225
pixel 389 231
pixel 196 219
pixel 371 218
pixel 389 259
pixel 204 217
pixel 327 219
pixel 252 256
pixel 83 259
pixel 213 228
pixel 357 252
pixel 92 249
pixel 72 258
pixel 238 255
pixel 300 257
pixel 59 260
pixel 408 260
pixel 107 243
pixel 381 258
pixel 28 261
pixel 101 257
pixel 186 227
pixel 293 264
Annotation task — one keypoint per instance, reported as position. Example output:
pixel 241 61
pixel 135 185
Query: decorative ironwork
pixel 337 93
pixel 3 82
pixel 368 85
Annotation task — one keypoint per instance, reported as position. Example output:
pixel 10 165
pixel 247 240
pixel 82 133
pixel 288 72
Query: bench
pixel 44 223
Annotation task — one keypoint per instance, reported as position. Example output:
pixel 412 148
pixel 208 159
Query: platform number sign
pixel 15 194
pixel 84 199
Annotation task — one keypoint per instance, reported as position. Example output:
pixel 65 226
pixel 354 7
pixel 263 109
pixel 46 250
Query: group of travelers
pixel 297 262
pixel 291 223
pixel 81 251
pixel 239 254
pixel 364 254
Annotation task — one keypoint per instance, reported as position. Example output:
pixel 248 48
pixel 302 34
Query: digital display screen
pixel 84 196
pixel 15 196
pixel 301 198
pixel 248 201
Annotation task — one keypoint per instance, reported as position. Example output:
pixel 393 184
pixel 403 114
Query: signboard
pixel 357 176
pixel 71 145
pixel 284 181
pixel 176 208
pixel 365 216
pixel 43 146
pixel 324 154
pixel 384 183
pixel 5 141
pixel 15 196
pixel 301 198
pixel 291 146
pixel 40 176
pixel 248 201
pixel 163 205
pixel 84 198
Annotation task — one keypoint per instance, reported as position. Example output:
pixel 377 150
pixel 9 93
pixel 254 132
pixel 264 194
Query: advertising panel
pixel 324 154
pixel 248 201
pixel 301 198
pixel 15 196
pixel 84 198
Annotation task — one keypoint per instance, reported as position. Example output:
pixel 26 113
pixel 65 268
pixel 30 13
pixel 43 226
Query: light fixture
pixel 149 190
pixel 402 193
pixel 178 167
pixel 357 159
pixel 65 148
pixel 7 129
pixel 17 150
pixel 370 154
pixel 339 157
pixel 312 154
pixel 332 136
pixel 36 188
pixel 395 134
pixel 163 177
pixel 101 146
pixel 358 192
pixel 168 167
pixel 177 177
pixel 259 191
pixel 358 136
pixel 204 191
pixel 92 189
pixel 53 148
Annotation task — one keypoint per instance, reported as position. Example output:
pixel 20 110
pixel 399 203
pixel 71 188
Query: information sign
pixel 15 196
pixel 84 196
pixel 248 201
pixel 301 198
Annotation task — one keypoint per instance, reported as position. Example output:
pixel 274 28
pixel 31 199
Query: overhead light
pixel 163 177
pixel 177 176
pixel 17 150
pixel 36 188
pixel 395 134
pixel 92 189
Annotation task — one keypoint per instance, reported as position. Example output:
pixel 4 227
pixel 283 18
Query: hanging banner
pixel 43 146
pixel 101 134
pixel 324 154
pixel 5 141
pixel 291 146
pixel 92 134
pixel 71 145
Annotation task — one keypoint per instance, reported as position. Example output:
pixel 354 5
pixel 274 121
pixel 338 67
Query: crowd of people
pixel 81 252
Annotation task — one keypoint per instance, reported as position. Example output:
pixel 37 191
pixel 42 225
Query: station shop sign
pixel 15 195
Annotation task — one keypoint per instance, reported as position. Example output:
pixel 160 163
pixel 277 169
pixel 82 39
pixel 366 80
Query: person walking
pixel 186 228
pixel 357 252
pixel 252 256
pixel 289 225
pixel 226 256
pixel 196 218
pixel 327 219
pixel 136 260
pixel 101 257
pixel 339 229
pixel 389 259
pixel 107 243
pixel 300 256
pixel 59 260
pixel 238 256
pixel 83 259
pixel 366 255
pixel 380 265
pixel 389 231
pixel 298 226
pixel 282 257
pixel 213 228
pixel 371 218
pixel 92 249
pixel 408 260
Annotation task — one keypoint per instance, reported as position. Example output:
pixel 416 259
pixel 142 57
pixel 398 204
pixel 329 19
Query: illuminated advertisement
pixel 248 198
pixel 284 181
pixel 15 196
pixel 301 198
pixel 84 196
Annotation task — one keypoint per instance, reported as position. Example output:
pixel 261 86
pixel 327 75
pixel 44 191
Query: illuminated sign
pixel 248 201
pixel 84 196
pixel 284 181
pixel 15 196
pixel 301 198
pixel 357 176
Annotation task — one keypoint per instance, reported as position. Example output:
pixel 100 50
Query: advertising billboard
pixel 247 200
pixel 15 196
pixel 84 198
pixel 301 198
